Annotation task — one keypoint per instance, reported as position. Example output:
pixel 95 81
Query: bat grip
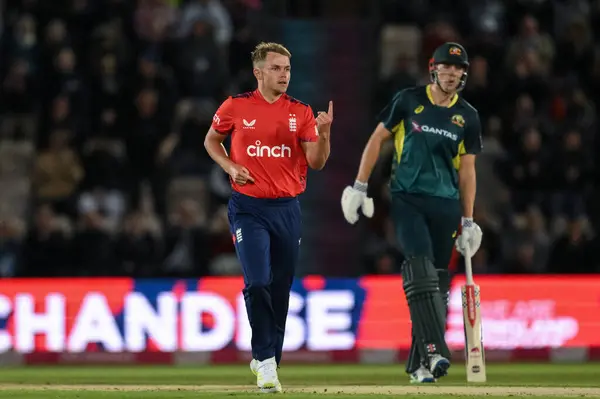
pixel 468 265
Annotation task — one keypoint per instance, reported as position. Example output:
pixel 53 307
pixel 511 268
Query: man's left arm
pixel 467 176
pixel 315 138
pixel 467 184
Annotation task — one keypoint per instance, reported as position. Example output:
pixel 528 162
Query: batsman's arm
pixel 467 184
pixel 371 152
pixel 467 176
pixel 390 116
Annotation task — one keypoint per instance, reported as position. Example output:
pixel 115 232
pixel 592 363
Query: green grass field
pixel 300 382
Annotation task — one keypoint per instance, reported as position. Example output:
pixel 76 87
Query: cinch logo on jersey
pixel 429 129
pixel 276 151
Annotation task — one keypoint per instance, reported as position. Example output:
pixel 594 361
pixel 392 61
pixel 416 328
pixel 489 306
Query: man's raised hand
pixel 325 119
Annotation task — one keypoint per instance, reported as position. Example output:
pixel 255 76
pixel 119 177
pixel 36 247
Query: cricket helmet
pixel 452 54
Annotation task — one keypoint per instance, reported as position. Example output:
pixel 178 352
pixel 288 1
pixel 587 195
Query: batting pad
pixel 414 360
pixel 444 284
pixel 427 310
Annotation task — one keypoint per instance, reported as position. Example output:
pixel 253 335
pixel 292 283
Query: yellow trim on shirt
pixel 461 151
pixel 399 133
pixel 430 97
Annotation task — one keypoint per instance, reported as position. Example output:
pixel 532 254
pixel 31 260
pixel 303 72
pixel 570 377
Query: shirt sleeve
pixel 473 142
pixel 393 113
pixel 223 118
pixel 309 130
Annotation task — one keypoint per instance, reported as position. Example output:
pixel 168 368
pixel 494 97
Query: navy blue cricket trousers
pixel 267 241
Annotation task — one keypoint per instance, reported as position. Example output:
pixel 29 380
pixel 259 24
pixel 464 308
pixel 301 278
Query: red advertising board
pixel 127 315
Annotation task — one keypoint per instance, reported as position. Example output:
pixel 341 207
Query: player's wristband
pixel 360 186
pixel 466 222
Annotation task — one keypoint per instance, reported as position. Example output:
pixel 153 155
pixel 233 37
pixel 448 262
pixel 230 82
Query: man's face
pixel 66 60
pixel 60 108
pixel 275 73
pixel 449 76
pixel 478 69
pixel 147 102
pixel 530 26
pixel 147 68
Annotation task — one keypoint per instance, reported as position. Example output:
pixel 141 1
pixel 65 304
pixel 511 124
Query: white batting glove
pixel 356 197
pixel 470 236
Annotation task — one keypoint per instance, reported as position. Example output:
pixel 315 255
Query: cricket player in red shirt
pixel 274 139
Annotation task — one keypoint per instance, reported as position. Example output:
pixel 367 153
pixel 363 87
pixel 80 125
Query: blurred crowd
pixel 105 104
pixel 534 77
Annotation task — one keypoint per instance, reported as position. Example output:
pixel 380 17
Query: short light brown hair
pixel 262 49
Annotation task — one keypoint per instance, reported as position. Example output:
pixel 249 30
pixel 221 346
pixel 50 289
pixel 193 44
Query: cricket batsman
pixel 274 139
pixel 437 135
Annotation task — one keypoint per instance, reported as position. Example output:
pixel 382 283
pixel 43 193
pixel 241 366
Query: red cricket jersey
pixel 266 139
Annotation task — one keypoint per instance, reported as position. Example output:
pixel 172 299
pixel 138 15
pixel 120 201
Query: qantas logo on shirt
pixel 264 151
pixel 416 127
pixel 249 125
pixel 428 129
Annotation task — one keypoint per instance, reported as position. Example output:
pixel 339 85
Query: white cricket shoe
pixel 266 375
pixel 253 366
pixel 422 376
pixel 438 366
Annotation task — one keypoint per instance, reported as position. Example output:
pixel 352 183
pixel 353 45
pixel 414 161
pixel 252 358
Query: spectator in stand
pixel 528 170
pixel 152 75
pixel 573 170
pixel 11 234
pixel 574 251
pixel 65 79
pixel 148 130
pixel 139 246
pixel 529 42
pixel 57 174
pixel 187 241
pixel 200 64
pixel 211 11
pixel 47 246
pixel 20 94
pixel 93 247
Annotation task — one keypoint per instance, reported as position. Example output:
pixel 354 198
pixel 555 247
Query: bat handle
pixel 468 265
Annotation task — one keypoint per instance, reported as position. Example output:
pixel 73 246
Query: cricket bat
pixel 474 352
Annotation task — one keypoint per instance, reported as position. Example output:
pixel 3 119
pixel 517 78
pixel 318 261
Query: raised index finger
pixel 330 110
